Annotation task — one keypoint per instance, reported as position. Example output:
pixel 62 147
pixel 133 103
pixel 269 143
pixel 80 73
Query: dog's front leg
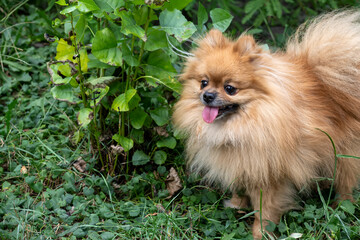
pixel 274 201
pixel 237 201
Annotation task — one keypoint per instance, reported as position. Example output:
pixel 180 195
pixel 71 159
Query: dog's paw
pixel 237 202
pixel 229 204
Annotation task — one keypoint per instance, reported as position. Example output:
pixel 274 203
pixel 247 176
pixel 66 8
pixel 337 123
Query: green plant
pixel 117 60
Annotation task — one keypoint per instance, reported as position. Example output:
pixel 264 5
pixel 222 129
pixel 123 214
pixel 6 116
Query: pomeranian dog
pixel 252 117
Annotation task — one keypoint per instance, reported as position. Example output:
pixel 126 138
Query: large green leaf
pixel 254 5
pixel 134 102
pixel 68 9
pixel 109 5
pixel 138 2
pixel 105 47
pixel 87 6
pixel 62 3
pixel 64 51
pixel 96 63
pixel 160 69
pixel 100 80
pixel 84 59
pixel 221 18
pixel 63 93
pixel 169 82
pixel 202 15
pixel 137 135
pixel 141 15
pixel 137 118
pixel 174 23
pixel 160 157
pixel 168 142
pixel 125 142
pixel 176 4
pixel 159 65
pixel 64 69
pixel 160 116
pixel 85 116
pixel 156 40
pixel 140 158
pixel 129 25
pixel 128 56
pixel 98 94
pixel 80 28
pixel 121 103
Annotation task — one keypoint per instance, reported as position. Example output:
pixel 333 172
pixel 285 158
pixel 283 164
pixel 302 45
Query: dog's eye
pixel 204 83
pixel 230 89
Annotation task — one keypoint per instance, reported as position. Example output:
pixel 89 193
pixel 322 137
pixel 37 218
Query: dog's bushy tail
pixel 330 45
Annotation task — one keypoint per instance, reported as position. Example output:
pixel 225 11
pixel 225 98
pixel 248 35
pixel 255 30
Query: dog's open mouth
pixel 210 113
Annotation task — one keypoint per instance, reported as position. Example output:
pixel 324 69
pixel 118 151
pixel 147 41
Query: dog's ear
pixel 214 39
pixel 246 46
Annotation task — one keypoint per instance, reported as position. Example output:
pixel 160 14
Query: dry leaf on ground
pixel 116 150
pixel 80 165
pixel 161 131
pixel 173 182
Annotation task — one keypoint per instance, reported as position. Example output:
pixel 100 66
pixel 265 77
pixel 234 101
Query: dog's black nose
pixel 209 97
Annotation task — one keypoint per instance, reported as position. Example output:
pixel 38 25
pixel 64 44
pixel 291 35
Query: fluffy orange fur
pixel 271 142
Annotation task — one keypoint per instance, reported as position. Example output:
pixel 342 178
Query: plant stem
pixel 127 164
pixel 99 150
pixel 81 76
pixel 268 27
pixel 94 133
pixel 97 133
pixel 115 164
pixel 117 155
pixel 122 124
pixel 143 43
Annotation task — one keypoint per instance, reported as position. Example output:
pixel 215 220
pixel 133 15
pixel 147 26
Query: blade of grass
pixel 15 8
pixel 346 156
pixel 335 166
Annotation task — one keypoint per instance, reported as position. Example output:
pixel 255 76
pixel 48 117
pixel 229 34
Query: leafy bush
pixel 118 65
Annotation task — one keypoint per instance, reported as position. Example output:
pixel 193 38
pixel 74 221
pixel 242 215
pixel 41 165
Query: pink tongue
pixel 209 114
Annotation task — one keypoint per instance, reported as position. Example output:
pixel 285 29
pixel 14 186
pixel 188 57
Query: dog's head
pixel 224 75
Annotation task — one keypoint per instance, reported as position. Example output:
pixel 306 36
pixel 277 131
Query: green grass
pixel 44 196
